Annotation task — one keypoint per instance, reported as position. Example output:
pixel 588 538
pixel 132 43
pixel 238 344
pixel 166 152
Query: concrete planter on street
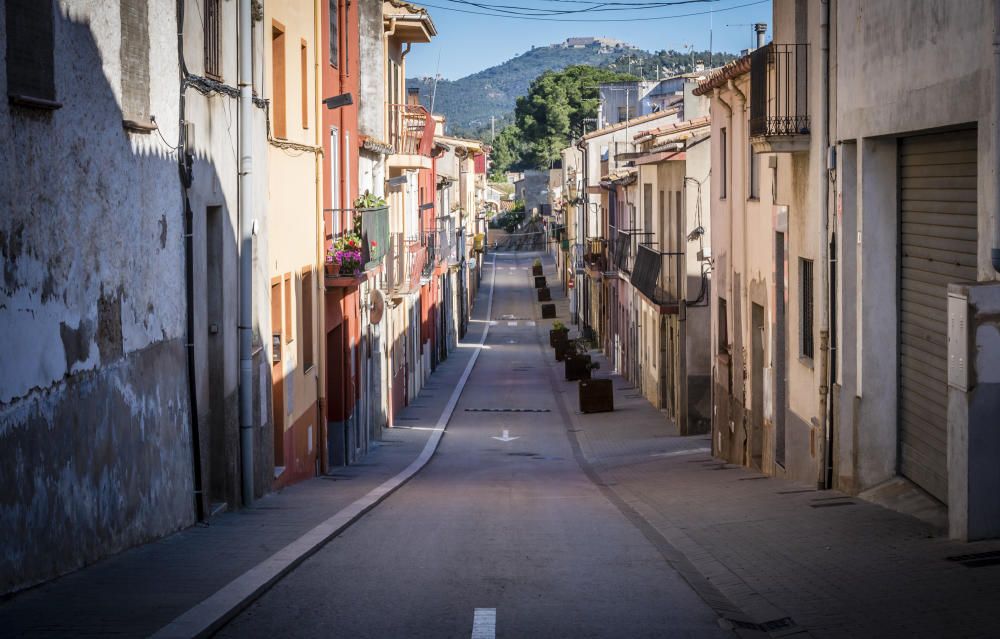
pixel 544 295
pixel 540 281
pixel 548 311
pixel 536 270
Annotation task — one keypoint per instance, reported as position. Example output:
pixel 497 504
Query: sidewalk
pixel 814 563
pixel 138 592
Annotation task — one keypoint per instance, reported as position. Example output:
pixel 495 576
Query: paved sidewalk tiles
pixel 812 563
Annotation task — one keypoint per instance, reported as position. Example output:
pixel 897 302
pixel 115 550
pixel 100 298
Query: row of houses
pixel 798 252
pixel 235 247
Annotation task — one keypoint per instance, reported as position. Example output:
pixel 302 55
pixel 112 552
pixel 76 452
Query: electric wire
pixel 540 18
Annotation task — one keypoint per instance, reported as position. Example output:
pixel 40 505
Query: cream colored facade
pixel 291 33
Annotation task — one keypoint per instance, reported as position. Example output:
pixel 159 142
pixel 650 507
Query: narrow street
pixel 515 526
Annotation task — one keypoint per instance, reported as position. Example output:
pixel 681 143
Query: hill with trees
pixel 469 102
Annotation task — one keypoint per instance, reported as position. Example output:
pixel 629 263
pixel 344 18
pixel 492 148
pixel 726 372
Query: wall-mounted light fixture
pixel 338 101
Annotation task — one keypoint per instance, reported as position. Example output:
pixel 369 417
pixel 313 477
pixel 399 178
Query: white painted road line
pixel 511 323
pixel 530 322
pixel 679 453
pixel 211 614
pixel 484 623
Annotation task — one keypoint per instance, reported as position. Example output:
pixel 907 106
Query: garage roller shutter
pixel 938 245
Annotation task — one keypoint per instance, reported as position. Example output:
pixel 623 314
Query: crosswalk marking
pixel 484 623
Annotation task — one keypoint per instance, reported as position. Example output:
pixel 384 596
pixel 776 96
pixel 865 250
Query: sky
pixel 467 43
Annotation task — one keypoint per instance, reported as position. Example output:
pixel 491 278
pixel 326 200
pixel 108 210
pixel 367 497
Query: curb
pixel 207 617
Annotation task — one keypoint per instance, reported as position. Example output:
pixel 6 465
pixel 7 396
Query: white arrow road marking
pixel 484 623
pixel 506 436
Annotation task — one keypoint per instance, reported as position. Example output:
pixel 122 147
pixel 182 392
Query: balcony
pixel 624 245
pixel 429 241
pixel 657 275
pixel 395 281
pixel 779 98
pixel 595 255
pixel 411 134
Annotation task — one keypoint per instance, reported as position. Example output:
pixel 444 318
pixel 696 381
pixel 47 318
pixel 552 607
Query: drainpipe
pixel 246 251
pixel 823 207
pixel 995 252
pixel 183 156
pixel 318 133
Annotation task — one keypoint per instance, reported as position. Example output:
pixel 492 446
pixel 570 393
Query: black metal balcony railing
pixel 779 90
pixel 430 244
pixel 657 275
pixel 596 254
pixel 621 249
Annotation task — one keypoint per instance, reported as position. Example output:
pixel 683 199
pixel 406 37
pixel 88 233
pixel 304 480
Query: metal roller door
pixel 938 245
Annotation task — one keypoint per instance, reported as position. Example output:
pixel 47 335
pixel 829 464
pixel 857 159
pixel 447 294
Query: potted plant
pixel 369 201
pixel 332 266
pixel 544 294
pixel 559 333
pixel 540 281
pixel 578 362
pixel 536 268
pixel 346 252
pixel 548 311
pixel 596 395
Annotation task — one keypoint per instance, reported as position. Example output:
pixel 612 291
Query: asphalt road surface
pixel 492 536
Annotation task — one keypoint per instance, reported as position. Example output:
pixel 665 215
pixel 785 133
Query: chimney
pixel 760 29
pixel 413 96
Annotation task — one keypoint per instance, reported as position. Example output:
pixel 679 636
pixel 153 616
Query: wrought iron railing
pixel 779 90
pixel 417 257
pixel 411 129
pixel 596 254
pixel 429 241
pixel 620 249
pixel 657 274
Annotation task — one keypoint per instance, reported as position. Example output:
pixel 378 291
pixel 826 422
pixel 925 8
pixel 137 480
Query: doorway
pixel 756 444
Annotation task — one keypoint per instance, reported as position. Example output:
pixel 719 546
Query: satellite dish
pixel 376 306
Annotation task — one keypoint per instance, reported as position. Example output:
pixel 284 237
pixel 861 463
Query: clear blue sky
pixel 467 43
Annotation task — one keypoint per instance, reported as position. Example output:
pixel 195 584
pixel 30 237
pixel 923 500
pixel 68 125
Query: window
pixel 306 312
pixel 806 303
pixel 278 80
pixel 723 326
pixel 304 70
pixel 288 309
pixel 134 55
pixel 30 55
pixel 213 68
pixel 334 33
pixel 723 168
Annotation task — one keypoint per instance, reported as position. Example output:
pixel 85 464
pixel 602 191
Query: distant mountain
pixel 469 102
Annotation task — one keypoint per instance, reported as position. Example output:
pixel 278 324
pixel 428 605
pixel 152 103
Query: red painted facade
pixel 340 74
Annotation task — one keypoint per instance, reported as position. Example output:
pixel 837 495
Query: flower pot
pixel 332 269
pixel 544 295
pixel 548 311
pixel 536 270
pixel 596 396
pixel 558 335
pixel 577 367
pixel 540 282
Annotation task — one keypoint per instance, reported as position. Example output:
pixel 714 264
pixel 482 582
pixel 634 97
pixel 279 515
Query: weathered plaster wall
pixel 95 451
